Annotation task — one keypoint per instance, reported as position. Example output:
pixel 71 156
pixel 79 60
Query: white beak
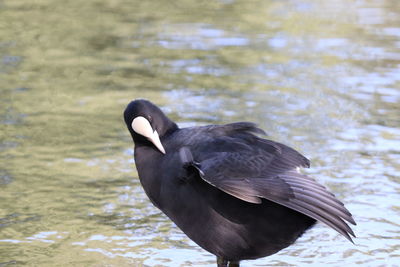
pixel 142 126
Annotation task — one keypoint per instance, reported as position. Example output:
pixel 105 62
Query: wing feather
pixel 308 198
pixel 251 168
pixel 320 218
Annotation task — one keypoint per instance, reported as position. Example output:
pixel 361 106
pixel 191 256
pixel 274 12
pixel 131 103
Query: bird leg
pixel 234 264
pixel 221 262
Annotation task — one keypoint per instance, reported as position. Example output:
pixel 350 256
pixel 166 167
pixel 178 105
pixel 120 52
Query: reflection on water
pixel 321 76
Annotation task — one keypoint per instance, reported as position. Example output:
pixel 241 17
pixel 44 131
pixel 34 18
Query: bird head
pixel 147 123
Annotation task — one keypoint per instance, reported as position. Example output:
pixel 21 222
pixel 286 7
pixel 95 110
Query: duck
pixel 234 193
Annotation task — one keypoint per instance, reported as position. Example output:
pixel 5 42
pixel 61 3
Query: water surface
pixel 321 76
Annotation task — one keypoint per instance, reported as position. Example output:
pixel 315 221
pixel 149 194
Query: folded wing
pixel 264 169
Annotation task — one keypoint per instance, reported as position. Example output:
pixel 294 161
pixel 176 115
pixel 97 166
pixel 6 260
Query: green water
pixel 321 76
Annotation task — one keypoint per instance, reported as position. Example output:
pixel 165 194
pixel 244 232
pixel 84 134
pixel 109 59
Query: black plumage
pixel 235 194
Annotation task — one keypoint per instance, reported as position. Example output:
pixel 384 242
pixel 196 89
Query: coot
pixel 235 194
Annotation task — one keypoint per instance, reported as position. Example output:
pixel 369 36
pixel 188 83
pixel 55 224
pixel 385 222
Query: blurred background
pixel 321 76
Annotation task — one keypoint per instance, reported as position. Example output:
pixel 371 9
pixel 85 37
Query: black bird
pixel 235 194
